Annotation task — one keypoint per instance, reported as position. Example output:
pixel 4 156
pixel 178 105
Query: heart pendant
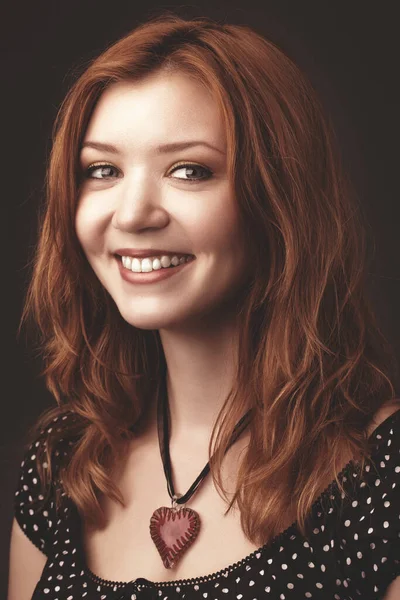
pixel 173 532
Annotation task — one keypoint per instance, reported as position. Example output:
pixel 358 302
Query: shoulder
pixel 384 467
pixel 369 536
pixel 384 434
pixel 386 411
pixel 35 507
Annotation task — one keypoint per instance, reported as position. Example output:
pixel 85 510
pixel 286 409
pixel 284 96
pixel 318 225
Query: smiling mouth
pixel 153 264
pixel 152 276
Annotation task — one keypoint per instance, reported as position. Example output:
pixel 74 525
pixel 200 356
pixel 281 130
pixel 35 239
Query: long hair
pixel 313 364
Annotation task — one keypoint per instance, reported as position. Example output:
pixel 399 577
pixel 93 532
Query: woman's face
pixel 142 200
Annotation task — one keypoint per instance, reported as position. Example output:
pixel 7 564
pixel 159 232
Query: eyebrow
pixel 162 149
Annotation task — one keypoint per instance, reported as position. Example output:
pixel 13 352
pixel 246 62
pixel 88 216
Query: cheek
pixel 222 241
pixel 88 226
pixel 79 226
pixel 217 226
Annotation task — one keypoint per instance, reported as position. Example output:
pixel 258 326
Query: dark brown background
pixel 350 52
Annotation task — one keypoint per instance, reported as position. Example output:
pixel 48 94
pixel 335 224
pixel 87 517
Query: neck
pixel 200 372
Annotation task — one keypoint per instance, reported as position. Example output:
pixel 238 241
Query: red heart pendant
pixel 173 532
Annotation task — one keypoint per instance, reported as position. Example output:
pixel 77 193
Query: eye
pixel 192 168
pixel 99 167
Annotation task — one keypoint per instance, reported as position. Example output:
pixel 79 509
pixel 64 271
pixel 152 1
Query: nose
pixel 139 205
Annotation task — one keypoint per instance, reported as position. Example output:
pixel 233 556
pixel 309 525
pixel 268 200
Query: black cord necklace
pixel 173 530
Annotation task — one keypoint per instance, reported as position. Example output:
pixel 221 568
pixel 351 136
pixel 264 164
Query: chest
pixel 124 550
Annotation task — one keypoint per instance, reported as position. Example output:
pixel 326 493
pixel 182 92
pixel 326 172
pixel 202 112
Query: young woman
pixel 199 288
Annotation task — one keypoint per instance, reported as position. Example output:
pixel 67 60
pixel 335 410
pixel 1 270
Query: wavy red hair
pixel 313 363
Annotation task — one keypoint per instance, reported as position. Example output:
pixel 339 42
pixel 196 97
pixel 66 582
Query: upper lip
pixel 146 252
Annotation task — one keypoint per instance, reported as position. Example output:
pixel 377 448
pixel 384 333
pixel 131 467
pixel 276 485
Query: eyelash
pixel 92 168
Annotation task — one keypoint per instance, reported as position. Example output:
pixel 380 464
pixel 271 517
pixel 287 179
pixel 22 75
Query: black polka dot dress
pixel 352 551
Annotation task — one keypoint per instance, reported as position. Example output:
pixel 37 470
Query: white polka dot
pixel 62 573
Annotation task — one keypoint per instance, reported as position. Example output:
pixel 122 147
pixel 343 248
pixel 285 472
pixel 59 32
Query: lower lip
pixel 152 276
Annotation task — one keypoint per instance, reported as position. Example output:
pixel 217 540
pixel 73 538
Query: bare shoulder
pixel 26 563
pixel 393 591
pixel 387 409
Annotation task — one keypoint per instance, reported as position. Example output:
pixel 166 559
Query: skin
pixel 194 312
pixel 141 203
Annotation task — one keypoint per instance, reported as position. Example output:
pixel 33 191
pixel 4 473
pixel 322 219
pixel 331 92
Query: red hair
pixel 313 363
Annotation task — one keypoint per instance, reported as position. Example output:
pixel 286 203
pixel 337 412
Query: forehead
pixel 160 108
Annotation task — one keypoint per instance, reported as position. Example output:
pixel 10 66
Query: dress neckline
pixel 76 523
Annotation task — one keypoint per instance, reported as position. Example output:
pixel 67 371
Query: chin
pixel 152 320
pixel 174 319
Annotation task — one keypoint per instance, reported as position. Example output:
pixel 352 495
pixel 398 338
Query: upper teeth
pixel 151 263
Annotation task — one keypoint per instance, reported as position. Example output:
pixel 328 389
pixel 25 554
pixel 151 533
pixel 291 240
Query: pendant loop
pixel 174 505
